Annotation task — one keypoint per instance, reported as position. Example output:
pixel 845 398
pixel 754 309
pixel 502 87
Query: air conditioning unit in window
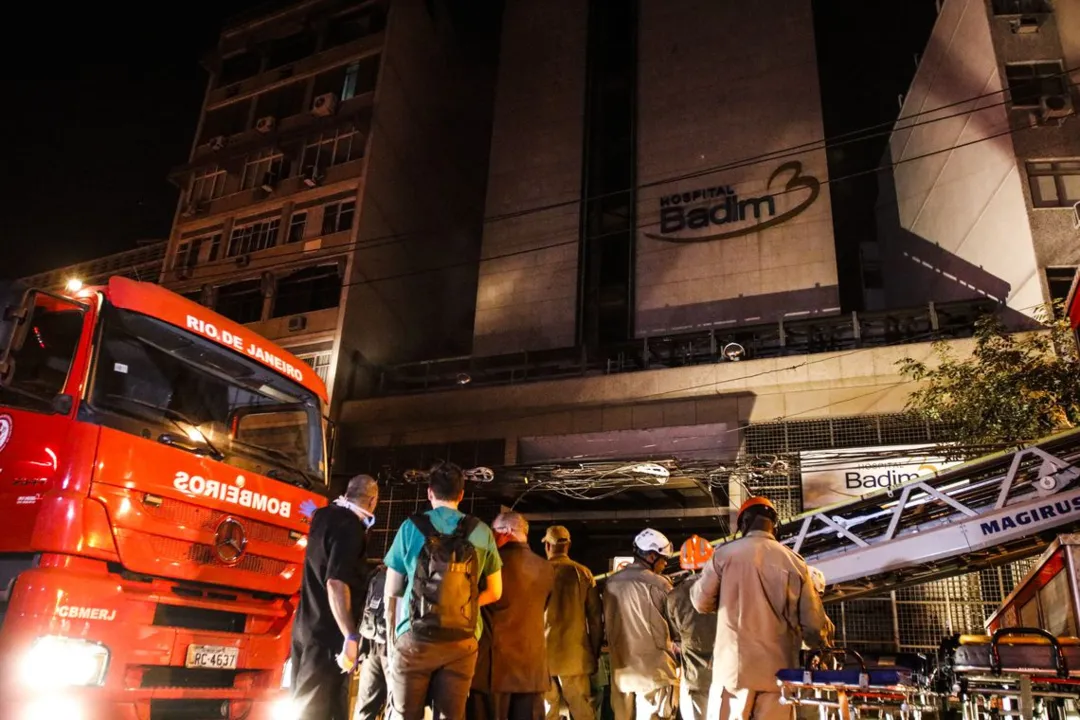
pixel 266 124
pixel 1055 107
pixel 193 208
pixel 217 142
pixel 311 176
pixel 297 323
pixel 324 105
pixel 1025 24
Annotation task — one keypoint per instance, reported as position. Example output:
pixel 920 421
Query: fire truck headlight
pixel 55 661
pixel 52 708
pixel 285 709
pixel 286 675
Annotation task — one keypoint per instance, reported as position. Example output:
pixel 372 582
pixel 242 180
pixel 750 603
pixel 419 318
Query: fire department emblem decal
pixel 6 423
pixel 229 541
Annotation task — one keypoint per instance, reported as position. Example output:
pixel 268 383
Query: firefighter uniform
pixel 696 634
pixel 644 677
pixel 766 607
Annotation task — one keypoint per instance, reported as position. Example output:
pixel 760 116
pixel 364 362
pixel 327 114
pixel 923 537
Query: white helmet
pixel 649 540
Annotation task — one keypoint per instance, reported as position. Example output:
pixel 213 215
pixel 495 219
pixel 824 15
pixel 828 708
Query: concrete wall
pixel 956 218
pixel 528 301
pixel 708 98
pixel 849 383
pixel 1055 239
pixel 412 279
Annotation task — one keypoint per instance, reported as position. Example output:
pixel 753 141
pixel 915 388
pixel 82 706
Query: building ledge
pixel 872 329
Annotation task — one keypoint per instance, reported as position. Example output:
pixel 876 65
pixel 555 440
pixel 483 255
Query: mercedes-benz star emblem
pixel 229 541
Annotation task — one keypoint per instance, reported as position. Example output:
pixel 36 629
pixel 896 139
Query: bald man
pixel 331 599
pixel 519 669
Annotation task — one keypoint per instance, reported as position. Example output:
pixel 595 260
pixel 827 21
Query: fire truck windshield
pixel 155 380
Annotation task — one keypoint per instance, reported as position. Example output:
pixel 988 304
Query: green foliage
pixel 1014 388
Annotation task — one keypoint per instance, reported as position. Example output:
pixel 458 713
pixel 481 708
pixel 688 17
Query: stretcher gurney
pixel 1017 672
pixel 896 687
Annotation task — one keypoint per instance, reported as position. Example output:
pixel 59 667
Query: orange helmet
pixel 696 551
pixel 757 501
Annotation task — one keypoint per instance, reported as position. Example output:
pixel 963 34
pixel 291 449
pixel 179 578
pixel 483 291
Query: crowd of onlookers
pixel 463 619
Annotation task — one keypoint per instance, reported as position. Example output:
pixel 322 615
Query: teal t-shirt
pixel 405 550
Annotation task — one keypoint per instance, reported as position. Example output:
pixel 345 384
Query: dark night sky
pixel 96 118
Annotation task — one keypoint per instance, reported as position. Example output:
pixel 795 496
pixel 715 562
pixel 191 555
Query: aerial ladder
pixel 983 513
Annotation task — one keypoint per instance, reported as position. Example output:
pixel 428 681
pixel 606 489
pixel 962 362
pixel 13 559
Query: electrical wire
pixel 772 156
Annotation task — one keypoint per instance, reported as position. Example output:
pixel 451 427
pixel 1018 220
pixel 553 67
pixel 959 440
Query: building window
pixel 608 244
pixel 307 290
pixel 297 225
pixel 1054 184
pixel 1029 83
pixel 355 25
pixel 207 185
pixel 239 67
pixel 194 296
pixel 332 149
pixel 215 247
pixel 253 237
pixel 338 217
pixel 1059 281
pixel 283 51
pixel 1021 7
pixel 281 103
pixel 348 81
pixel 225 121
pixel 262 168
pixel 319 362
pixel 183 252
pixel 241 302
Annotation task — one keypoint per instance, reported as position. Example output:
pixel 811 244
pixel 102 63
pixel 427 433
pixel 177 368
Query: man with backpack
pixel 437 565
pixel 372 688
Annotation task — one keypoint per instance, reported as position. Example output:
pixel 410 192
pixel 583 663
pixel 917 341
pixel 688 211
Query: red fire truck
pixel 1049 597
pixel 159 466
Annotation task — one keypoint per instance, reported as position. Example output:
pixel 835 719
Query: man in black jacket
pixel 331 591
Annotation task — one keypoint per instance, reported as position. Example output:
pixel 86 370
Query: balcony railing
pixel 799 337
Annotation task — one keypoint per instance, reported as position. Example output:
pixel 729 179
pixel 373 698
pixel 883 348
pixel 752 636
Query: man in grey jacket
pixel 644 677
pixel 766 606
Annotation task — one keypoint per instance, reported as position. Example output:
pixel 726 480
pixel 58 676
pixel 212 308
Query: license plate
pixel 217 657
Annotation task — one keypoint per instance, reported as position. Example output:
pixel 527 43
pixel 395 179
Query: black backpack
pixel 444 604
pixel 373 619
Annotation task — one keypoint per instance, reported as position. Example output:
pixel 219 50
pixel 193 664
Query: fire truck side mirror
pixel 331 442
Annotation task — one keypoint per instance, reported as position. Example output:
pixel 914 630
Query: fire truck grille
pixel 176 512
pixel 177 677
pixel 204 555
pixel 189 709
